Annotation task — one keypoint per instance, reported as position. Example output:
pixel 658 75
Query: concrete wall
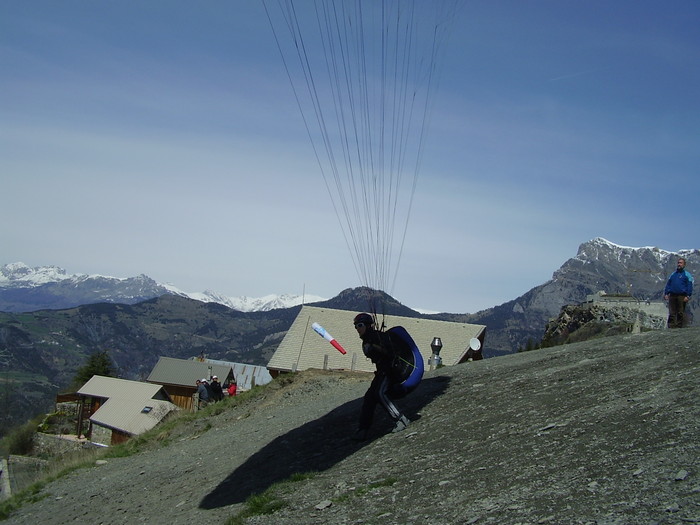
pixel 655 308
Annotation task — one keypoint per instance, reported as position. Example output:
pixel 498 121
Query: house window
pixel 146 410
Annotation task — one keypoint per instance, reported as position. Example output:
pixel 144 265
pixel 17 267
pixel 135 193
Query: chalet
pixel 124 408
pixel 179 377
pixel 302 348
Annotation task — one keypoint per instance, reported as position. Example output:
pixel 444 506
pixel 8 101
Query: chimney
pixel 435 359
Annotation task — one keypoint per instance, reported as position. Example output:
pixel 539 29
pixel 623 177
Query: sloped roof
pixel 132 406
pixel 101 386
pixel 131 415
pixel 185 372
pixel 302 348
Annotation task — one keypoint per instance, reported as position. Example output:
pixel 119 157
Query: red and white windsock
pixel 328 337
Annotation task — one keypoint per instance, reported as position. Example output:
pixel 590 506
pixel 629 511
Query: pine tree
pixel 98 364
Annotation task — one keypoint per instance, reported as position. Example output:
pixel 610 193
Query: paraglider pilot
pixel 377 346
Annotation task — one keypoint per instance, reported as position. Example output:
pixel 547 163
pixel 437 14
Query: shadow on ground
pixel 312 447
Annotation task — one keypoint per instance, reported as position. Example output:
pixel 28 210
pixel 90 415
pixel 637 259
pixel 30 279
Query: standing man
pixel 678 290
pixel 203 394
pixel 378 347
pixel 216 389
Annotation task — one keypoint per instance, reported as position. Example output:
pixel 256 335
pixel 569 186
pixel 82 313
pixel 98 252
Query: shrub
pixel 20 440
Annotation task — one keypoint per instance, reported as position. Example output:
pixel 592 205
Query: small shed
pixel 179 377
pixel 125 408
pixel 302 348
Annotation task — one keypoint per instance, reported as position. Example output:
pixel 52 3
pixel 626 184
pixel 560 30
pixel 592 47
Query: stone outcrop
pixel 599 318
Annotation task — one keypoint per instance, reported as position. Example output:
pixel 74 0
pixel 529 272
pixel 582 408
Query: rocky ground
pixel 600 432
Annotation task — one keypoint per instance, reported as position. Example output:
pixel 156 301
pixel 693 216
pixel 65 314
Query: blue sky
pixel 163 138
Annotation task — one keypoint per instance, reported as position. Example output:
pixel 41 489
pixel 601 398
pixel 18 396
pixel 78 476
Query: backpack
pixel 407 364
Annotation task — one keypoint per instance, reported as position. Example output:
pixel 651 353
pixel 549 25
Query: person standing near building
pixel 203 394
pixel 232 388
pixel 217 391
pixel 679 289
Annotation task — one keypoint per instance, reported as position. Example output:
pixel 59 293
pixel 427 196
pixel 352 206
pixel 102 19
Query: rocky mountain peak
pixel 22 274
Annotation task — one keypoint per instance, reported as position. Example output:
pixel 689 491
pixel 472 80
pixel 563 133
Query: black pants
pixel 377 393
pixel 676 311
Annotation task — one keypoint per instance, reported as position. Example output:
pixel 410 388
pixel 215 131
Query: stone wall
pixel 50 445
pixel 581 322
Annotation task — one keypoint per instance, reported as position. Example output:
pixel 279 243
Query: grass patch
pixel 387 482
pixel 31 494
pixel 300 476
pixel 267 502
pixel 256 505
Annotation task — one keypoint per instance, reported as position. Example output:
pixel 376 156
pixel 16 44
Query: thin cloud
pixel 579 74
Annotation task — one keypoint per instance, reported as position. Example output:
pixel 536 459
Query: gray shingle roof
pixel 185 372
pixel 101 386
pixel 302 348
pixel 132 416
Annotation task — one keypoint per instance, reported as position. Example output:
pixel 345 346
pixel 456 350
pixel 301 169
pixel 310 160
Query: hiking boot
pixel 401 424
pixel 360 435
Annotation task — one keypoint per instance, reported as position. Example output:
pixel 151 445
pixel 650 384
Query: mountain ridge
pixel 19 278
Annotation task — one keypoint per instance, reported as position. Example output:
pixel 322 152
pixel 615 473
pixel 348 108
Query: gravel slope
pixel 600 432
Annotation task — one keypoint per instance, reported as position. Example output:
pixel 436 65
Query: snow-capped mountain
pixel 19 274
pixel 599 247
pixel 24 288
pixel 249 304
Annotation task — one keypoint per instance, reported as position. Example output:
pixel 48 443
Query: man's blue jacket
pixel 680 282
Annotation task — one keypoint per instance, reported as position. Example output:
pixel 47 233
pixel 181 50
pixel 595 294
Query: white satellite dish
pixel 474 344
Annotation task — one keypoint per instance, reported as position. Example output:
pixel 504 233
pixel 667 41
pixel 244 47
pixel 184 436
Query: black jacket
pixel 378 347
pixel 217 391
